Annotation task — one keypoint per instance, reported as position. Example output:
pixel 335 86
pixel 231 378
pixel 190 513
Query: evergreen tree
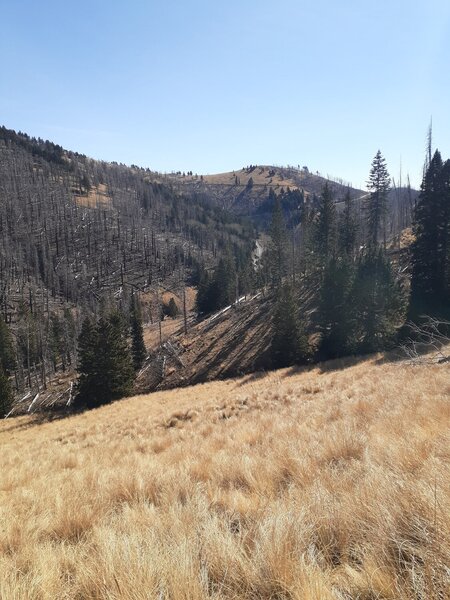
pixel 88 346
pixel 204 300
pixel 334 310
pixel 172 309
pixel 6 393
pixel 347 228
pixel 138 349
pixel 57 341
pixel 325 230
pixel 430 281
pixel 378 186
pixel 7 353
pixel 289 344
pixel 376 301
pixel 277 251
pixel 105 365
pixel 219 290
pixel 225 281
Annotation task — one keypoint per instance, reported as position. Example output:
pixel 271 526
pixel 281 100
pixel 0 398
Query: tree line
pixel 359 297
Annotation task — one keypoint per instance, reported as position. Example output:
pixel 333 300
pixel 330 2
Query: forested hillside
pixel 251 190
pixel 78 236
pixel 93 255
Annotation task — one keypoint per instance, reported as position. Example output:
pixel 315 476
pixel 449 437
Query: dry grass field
pixel 97 197
pixel 327 483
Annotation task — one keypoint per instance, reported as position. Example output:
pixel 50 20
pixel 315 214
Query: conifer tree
pixel 289 342
pixel 378 186
pixel 430 281
pixel 334 311
pixel 376 301
pixel 219 290
pixel 138 349
pixel 7 353
pixel 88 346
pixel 347 228
pixel 325 230
pixel 172 309
pixel 225 277
pixel 6 393
pixel 105 364
pixel 277 252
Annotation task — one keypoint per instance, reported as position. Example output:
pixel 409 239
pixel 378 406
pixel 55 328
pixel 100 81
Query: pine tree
pixel 88 346
pixel 7 353
pixel 289 344
pixel 347 228
pixel 204 300
pixel 105 364
pixel 325 229
pixel 172 309
pixel 378 186
pixel 377 303
pixel 56 341
pixel 6 393
pixel 334 312
pixel 225 280
pixel 430 281
pixel 138 349
pixel 277 252
pixel 219 290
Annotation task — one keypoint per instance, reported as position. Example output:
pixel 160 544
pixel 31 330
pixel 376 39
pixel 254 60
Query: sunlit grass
pixel 307 485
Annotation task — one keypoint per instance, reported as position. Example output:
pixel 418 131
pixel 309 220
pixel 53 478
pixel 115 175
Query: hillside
pixel 323 483
pixel 81 238
pixel 78 235
pixel 80 230
pixel 245 191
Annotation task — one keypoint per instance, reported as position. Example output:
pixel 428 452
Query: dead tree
pixel 428 342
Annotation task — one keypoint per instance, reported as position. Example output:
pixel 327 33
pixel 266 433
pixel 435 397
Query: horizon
pixel 213 88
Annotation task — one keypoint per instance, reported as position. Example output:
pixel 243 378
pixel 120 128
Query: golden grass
pixel 305 485
pixel 97 197
pixel 260 176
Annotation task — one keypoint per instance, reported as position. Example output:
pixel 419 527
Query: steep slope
pixel 78 235
pixel 314 484
pixel 80 228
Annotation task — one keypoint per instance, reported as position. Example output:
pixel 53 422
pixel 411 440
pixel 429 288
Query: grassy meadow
pixel 330 482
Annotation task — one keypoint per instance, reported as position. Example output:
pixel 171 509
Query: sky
pixel 214 86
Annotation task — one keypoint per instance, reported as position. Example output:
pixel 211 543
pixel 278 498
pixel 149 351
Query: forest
pixel 88 247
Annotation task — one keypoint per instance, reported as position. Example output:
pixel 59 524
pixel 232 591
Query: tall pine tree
pixel 289 341
pixel 430 280
pixel 348 228
pixel 334 312
pixel 378 186
pixel 6 393
pixel 325 231
pixel 105 364
pixel 377 303
pixel 138 349
pixel 277 251
pixel 7 353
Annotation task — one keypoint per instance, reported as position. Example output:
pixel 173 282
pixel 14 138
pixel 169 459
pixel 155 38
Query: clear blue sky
pixel 212 86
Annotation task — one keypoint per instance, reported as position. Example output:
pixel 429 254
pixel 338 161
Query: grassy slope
pixel 315 484
pixel 223 189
